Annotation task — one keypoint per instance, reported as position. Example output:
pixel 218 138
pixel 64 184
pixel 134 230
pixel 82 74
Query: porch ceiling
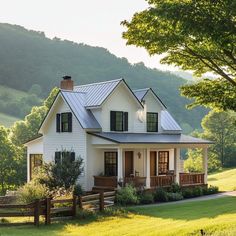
pixel 149 138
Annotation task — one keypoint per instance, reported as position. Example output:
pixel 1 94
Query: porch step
pixel 103 188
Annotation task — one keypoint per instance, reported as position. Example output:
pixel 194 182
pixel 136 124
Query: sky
pixel 96 23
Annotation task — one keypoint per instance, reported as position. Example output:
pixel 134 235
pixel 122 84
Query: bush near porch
pixel 129 195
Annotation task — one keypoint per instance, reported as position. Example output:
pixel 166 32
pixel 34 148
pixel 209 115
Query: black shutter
pixel 72 156
pixel 125 121
pixel 58 123
pixel 70 122
pixel 113 120
pixel 57 157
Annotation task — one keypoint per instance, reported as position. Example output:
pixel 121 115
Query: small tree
pixel 63 174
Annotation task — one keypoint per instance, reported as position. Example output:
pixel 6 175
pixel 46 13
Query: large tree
pixel 193 35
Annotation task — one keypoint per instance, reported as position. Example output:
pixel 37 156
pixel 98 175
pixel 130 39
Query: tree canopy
pixel 193 35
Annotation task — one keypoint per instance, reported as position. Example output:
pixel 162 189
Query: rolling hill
pixel 28 58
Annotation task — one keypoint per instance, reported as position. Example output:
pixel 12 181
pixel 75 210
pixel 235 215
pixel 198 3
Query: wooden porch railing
pixel 105 181
pixel 137 181
pixel 191 178
pixel 162 180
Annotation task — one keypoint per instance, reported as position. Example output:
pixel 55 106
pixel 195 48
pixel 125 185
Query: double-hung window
pixel 110 163
pixel 119 121
pixel 152 122
pixel 64 122
pixel 64 156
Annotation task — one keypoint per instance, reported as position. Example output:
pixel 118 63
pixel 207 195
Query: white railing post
pixel 205 164
pixel 120 165
pixel 177 164
pixel 148 180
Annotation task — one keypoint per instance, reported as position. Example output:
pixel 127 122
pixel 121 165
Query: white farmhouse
pixel 123 136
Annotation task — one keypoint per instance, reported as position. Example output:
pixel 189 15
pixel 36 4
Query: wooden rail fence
pixel 52 209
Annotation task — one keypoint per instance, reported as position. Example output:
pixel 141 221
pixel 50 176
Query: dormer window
pixel 152 122
pixel 119 121
pixel 64 122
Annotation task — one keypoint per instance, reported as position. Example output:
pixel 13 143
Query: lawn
pixel 215 217
pixel 225 180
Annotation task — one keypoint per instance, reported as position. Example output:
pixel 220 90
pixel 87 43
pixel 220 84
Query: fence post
pixel 74 206
pixel 36 212
pixel 48 211
pixel 101 201
pixel 80 202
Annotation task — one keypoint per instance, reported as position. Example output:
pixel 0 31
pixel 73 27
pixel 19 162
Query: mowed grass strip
pixel 215 217
pixel 225 179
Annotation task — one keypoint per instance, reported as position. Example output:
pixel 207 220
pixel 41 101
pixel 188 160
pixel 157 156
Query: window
pixel 60 156
pixel 163 162
pixel 119 121
pixel 110 163
pixel 36 161
pixel 152 122
pixel 64 122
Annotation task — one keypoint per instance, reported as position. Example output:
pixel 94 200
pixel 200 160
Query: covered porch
pixel 149 167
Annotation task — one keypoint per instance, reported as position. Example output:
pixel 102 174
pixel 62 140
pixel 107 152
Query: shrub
pixel 212 190
pixel 187 192
pixel 175 196
pixel 32 191
pixel 197 191
pixel 127 195
pixel 175 188
pixel 160 195
pixel 146 198
pixel 78 190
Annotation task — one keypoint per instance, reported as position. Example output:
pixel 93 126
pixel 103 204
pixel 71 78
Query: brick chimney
pixel 67 83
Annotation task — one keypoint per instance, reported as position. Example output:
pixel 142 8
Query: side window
pixel 152 122
pixel 64 122
pixel 118 121
pixel 62 156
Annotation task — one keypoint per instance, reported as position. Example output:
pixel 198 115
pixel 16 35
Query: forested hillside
pixel 29 59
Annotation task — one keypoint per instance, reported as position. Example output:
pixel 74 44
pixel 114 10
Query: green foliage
pixel 160 195
pixel 174 196
pixel 35 89
pixel 127 196
pixel 12 163
pixel 45 61
pixel 32 191
pixel 24 130
pixel 63 174
pixel 175 188
pixel 187 192
pixel 194 161
pixel 193 35
pixel 78 190
pixel 215 94
pixel 211 190
pixel 146 198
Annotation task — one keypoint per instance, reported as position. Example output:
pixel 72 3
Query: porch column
pixel 148 180
pixel 119 164
pixel 205 164
pixel 177 164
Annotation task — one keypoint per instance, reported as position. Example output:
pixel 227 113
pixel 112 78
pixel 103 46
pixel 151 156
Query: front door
pixel 128 163
pixel 153 163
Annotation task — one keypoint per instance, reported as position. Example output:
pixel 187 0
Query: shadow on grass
pixel 191 210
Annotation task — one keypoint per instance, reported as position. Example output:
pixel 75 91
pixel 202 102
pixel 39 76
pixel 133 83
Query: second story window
pixel 119 121
pixel 152 122
pixel 64 122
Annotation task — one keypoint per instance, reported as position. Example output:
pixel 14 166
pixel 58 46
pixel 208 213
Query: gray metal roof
pixel 168 123
pixel 142 138
pixel 96 93
pixel 140 93
pixel 76 102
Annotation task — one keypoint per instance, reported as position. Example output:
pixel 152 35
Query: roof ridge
pixel 136 90
pixel 96 83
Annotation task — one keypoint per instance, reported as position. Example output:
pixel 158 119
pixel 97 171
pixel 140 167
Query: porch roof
pixel 149 138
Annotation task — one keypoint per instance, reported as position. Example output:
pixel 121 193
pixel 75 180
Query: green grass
pixel 215 217
pixel 225 179
pixel 7 120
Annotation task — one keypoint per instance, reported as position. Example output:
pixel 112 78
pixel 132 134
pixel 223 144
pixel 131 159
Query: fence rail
pixel 191 178
pixel 162 180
